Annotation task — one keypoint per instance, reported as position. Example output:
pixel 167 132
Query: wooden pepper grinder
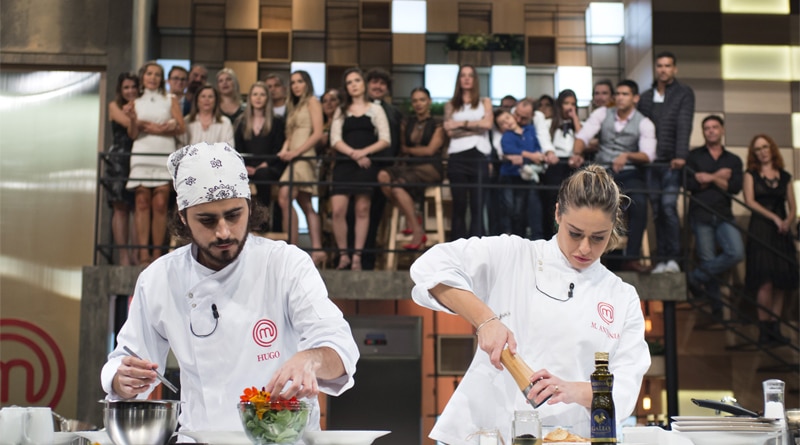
pixel 521 373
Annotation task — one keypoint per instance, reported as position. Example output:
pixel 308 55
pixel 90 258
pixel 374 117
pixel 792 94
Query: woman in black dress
pixel 359 130
pixel 118 161
pixel 260 134
pixel 768 191
pixel 422 138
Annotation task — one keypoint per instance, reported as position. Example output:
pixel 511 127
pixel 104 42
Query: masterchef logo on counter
pixel 265 332
pixel 31 360
pixel 606 312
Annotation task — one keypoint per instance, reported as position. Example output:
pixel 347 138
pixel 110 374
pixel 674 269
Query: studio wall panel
pixel 708 93
pixel 174 14
pixel 675 28
pixel 308 48
pixel 740 128
pixel 540 22
pixel 308 15
pixel 508 17
pixel 442 16
pixel 241 14
pixel 175 47
pixel 685 6
pixel 342 52
pixel 408 49
pixel 768 29
pixel 744 96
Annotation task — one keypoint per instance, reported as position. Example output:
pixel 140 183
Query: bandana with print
pixel 205 172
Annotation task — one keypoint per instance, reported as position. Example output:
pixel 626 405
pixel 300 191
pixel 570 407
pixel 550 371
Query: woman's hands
pixel 546 385
pixel 493 337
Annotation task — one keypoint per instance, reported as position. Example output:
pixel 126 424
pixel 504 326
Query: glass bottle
pixel 603 416
pixel 526 428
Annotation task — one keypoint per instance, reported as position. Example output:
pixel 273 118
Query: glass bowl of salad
pixel 270 422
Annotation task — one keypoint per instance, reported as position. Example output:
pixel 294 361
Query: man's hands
pixel 134 376
pixel 298 376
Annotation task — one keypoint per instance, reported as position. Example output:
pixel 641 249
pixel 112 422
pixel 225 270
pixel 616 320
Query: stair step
pixel 791 367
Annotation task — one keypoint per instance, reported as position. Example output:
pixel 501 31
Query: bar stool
pixel 434 197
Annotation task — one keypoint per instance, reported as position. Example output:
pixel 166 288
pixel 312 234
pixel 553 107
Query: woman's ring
pixel 556 390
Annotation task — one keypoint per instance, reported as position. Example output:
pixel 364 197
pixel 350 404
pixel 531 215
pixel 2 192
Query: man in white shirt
pixel 236 310
pixel 627 139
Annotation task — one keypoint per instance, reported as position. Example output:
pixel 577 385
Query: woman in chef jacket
pixel 551 302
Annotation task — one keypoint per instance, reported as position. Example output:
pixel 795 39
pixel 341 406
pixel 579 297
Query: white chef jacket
pixel 603 314
pixel 271 302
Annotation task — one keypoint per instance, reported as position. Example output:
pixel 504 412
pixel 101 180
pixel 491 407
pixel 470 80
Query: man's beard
pixel 206 256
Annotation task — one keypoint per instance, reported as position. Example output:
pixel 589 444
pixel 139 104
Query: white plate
pixel 721 419
pixel 342 437
pixel 718 428
pixel 218 437
pixel 726 438
pixel 63 438
pixel 93 437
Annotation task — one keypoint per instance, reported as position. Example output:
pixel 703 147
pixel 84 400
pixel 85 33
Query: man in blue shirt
pixel 520 204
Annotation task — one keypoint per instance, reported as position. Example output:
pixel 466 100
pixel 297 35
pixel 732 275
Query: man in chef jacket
pixel 236 310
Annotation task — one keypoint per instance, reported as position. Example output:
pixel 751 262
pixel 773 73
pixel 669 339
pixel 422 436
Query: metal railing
pixel 104 251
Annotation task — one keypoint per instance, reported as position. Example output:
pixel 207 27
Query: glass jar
pixel 526 429
pixel 773 398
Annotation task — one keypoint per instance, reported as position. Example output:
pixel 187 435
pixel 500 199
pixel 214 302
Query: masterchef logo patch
pixel 606 312
pixel 265 332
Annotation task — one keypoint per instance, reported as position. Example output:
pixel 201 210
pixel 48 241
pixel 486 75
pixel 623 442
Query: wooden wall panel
pixel 377 52
pixel 540 23
pixel 749 96
pixel 308 15
pixel 441 14
pixel 408 49
pixel 342 52
pixel 571 52
pixel 175 47
pixel 209 49
pixel 571 24
pixel 246 72
pixel 276 17
pixel 309 47
pixel 241 14
pixel 209 17
pixel 174 14
pixel 508 17
pixel 342 22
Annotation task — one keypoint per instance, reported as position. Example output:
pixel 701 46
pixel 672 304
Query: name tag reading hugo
pixel 265 333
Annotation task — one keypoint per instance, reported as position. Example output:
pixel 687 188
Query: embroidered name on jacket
pixel 606 313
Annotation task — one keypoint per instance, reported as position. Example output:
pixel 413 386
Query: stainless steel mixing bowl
pixel 140 422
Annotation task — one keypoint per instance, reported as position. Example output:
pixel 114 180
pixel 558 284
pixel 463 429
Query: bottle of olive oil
pixel 603 421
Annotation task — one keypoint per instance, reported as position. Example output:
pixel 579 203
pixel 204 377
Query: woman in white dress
pixel 155 121
pixel 205 123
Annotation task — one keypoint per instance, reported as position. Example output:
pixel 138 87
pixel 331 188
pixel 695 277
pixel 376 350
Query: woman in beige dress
pixel 303 131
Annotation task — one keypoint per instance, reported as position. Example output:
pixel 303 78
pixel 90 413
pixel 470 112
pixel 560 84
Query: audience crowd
pixel 356 151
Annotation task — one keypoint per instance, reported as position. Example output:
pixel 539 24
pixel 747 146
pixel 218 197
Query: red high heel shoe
pixel 408 231
pixel 419 246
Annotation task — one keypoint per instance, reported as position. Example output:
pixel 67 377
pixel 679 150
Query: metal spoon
pixel 163 379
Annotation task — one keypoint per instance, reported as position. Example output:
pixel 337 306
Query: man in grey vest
pixel 627 140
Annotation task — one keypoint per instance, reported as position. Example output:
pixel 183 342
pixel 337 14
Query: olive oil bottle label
pixel 604 428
